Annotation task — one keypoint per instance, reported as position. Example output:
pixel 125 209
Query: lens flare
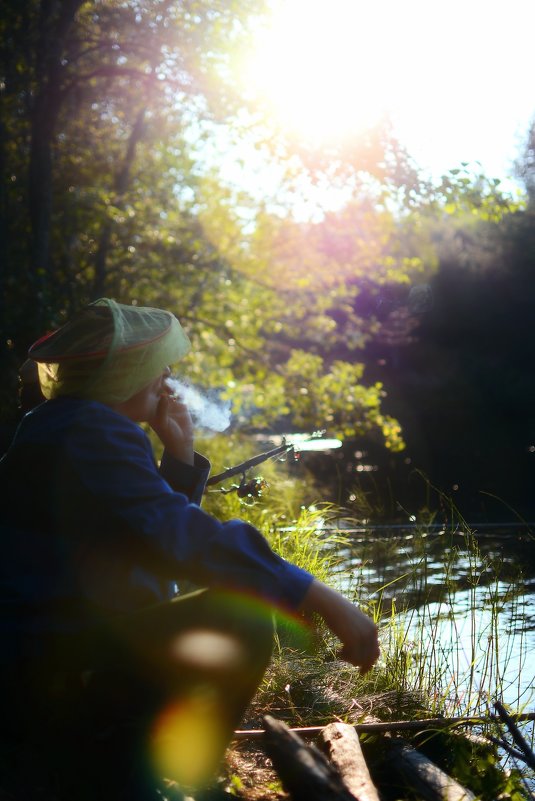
pixel 208 650
pixel 189 739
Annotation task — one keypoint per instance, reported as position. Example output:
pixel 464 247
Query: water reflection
pixel 459 612
pixel 472 596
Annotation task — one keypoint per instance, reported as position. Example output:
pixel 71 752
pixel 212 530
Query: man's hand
pixel 172 424
pixel 355 630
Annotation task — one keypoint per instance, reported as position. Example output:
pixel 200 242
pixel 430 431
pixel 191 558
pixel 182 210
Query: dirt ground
pixel 250 774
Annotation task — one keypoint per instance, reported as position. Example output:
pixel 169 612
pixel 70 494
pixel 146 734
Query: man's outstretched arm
pixel 355 630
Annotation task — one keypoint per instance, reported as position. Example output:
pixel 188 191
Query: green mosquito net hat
pixel 108 352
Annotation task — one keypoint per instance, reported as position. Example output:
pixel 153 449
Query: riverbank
pixel 456 611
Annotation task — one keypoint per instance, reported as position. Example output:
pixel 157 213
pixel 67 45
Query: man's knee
pixel 205 630
pixel 249 618
pixel 228 626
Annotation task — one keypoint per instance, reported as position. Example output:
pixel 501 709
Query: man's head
pixel 108 352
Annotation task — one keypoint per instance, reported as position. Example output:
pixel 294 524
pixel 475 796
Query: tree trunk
pixel 40 187
pixel 4 267
pixel 121 184
pixel 55 20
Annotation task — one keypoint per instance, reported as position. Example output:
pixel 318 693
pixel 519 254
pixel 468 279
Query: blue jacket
pixel 90 523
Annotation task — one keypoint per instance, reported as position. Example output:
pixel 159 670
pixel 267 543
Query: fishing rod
pixel 253 488
pixel 243 467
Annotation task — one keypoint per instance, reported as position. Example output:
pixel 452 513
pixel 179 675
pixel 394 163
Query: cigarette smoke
pixel 206 413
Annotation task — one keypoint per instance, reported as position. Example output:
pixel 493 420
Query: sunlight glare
pixel 326 71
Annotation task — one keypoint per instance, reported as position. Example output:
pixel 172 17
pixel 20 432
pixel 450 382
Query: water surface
pixel 463 607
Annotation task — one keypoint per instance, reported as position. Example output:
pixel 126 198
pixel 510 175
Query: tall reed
pixel 438 599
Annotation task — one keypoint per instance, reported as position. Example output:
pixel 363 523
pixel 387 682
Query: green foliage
pixel 461 193
pixel 109 113
pixel 474 761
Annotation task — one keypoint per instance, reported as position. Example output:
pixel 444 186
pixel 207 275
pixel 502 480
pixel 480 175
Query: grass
pixel 437 598
pixel 439 602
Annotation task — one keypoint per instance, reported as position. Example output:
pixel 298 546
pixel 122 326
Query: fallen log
pixel 305 772
pixel 341 743
pixel 422 776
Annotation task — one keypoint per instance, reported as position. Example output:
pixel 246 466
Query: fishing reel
pixel 247 491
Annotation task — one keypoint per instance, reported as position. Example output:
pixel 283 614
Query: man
pixel 95 539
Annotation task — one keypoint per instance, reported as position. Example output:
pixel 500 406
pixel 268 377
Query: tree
pixel 108 195
pixel 86 82
pixel 463 388
pixel 525 165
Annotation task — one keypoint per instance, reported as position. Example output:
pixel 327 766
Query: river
pixel 457 610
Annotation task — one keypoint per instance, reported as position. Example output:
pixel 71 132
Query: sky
pixel 456 78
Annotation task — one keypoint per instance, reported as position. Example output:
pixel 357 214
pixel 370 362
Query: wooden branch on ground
pixel 529 756
pixel 422 776
pixel 305 772
pixel 489 742
pixel 394 725
pixel 341 743
pixel 501 743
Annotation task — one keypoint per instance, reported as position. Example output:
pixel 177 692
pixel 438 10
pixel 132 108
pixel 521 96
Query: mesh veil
pixel 108 352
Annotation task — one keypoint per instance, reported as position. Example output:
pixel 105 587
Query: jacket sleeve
pixel 190 480
pixel 115 463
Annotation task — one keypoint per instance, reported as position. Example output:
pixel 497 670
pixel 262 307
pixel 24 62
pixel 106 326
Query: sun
pixel 326 71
